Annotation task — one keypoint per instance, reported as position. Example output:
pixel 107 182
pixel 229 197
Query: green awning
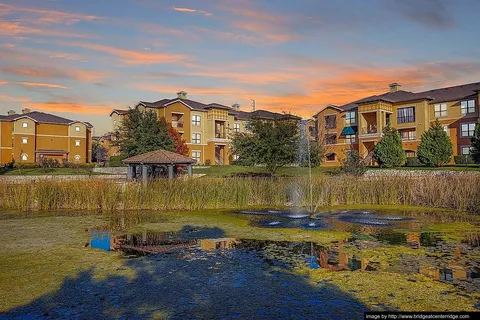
pixel 349 130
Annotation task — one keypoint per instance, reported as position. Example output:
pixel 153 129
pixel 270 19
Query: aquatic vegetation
pixel 452 192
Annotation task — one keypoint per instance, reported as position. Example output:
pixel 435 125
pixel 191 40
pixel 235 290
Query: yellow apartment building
pixel 206 128
pixel 358 125
pixel 30 136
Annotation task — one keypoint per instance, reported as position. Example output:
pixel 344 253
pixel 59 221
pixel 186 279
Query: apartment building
pixel 206 128
pixel 30 136
pixel 358 125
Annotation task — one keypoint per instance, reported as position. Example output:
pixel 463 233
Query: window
pixel 24 124
pixel 196 138
pixel 331 121
pixel 408 134
pixel 77 143
pixel 467 129
pixel 467 106
pixel 350 138
pixel 331 138
pixel 77 158
pixel 410 153
pixel 350 118
pixel 24 157
pixel 236 127
pixel 196 156
pixel 406 115
pixel 77 128
pixel 440 110
pixel 196 120
pixel 331 156
pixel 445 128
pixel 466 150
pixel 24 140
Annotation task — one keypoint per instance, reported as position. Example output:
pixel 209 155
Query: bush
pixel 413 162
pixel 48 163
pixel 116 161
pixel 475 142
pixel 389 150
pixel 435 149
pixel 23 165
pixel 463 160
pixel 208 162
pixel 353 163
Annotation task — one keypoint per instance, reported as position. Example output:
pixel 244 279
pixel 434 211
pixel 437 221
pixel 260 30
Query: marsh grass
pixel 451 192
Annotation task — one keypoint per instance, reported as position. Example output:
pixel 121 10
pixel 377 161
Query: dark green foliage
pixel 475 153
pixel 413 162
pixel 435 149
pixel 389 151
pixel 316 153
pixel 465 160
pixel 116 161
pixel 270 143
pixel 353 163
pixel 142 132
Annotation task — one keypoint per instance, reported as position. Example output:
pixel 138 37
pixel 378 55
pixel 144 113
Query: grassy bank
pixel 227 171
pixel 454 192
pixel 48 171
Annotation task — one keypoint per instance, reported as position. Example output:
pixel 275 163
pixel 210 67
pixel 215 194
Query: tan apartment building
pixel 30 136
pixel 358 125
pixel 206 128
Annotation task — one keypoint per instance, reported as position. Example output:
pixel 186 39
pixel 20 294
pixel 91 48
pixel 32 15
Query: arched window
pixel 332 156
pixel 24 157
pixel 77 158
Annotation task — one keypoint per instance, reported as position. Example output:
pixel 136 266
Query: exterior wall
pixel 19 132
pixel 6 142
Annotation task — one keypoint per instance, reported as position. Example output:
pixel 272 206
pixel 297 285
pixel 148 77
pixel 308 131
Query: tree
pixel 475 141
pixel 142 132
pixel 435 149
pixel 99 152
pixel 316 153
pixel 180 144
pixel 389 152
pixel 270 143
pixel 353 163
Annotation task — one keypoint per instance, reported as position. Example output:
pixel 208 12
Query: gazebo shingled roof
pixel 159 157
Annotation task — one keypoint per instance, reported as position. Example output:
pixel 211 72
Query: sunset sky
pixel 80 59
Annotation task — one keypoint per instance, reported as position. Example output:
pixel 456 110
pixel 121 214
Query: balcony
pixel 220 135
pixel 370 131
pixel 177 124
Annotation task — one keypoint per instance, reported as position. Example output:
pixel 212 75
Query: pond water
pixel 270 264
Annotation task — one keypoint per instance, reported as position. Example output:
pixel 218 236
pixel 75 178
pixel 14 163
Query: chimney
pixel 182 95
pixel 394 87
pixel 236 107
pixel 11 113
pixel 26 110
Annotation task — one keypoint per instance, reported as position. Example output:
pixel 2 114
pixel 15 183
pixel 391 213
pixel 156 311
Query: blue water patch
pixel 100 240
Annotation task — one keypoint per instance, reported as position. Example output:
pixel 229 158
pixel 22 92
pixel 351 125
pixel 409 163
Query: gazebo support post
pixel 144 173
pixel 134 172
pixel 170 172
pixel 130 172
pixel 190 170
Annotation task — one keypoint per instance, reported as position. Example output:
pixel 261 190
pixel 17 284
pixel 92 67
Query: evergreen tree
pixel 435 149
pixel 475 153
pixel 271 143
pixel 389 151
pixel 142 132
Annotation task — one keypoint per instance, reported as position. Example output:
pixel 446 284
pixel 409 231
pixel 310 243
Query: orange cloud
pixel 48 16
pixel 41 85
pixel 70 107
pixel 63 73
pixel 15 29
pixel 135 57
pixel 13 99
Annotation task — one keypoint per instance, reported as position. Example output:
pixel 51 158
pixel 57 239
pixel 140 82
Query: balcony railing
pixel 370 129
pixel 220 135
pixel 177 124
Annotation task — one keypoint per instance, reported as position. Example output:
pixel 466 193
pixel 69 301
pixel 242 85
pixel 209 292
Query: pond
pixel 258 264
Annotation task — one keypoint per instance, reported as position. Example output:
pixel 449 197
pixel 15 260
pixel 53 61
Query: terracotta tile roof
pixel 42 117
pixel 159 157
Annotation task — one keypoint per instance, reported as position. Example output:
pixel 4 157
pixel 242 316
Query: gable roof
pixel 119 111
pixel 42 117
pixel 159 157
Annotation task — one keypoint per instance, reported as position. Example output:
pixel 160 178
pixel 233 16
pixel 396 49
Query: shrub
pixel 475 141
pixel 435 149
pixel 23 165
pixel 116 161
pixel 389 150
pixel 48 163
pixel 208 162
pixel 413 162
pixel 353 163
pixel 463 160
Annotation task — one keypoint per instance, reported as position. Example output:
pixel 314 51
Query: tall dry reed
pixel 459 192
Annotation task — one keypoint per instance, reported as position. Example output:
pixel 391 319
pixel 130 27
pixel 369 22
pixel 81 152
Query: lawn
pixel 48 171
pixel 472 167
pixel 225 171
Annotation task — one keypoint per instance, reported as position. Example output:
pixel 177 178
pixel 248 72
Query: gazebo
pixel 156 161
